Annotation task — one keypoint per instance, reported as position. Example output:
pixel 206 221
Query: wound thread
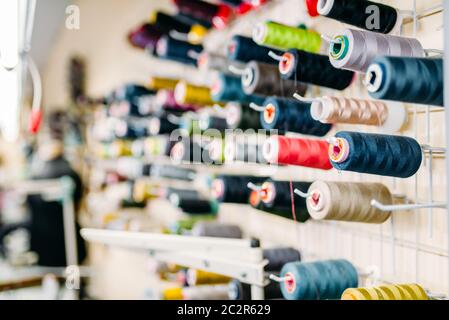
pixel 177 50
pixel 244 49
pixel 228 88
pixel 190 94
pixel 387 292
pixel 233 189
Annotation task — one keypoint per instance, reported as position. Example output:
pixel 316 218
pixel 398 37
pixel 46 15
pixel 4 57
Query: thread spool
pixel 244 49
pixel 233 189
pixel 145 37
pixel 211 122
pixel 167 22
pixel 158 83
pixel 129 131
pixel 348 201
pixel 144 191
pixel 278 257
pixel 384 155
pixel 358 14
pixel 387 292
pixel 264 79
pixel 184 226
pixel 312 9
pixel 285 37
pixel 188 19
pixel 241 291
pixel 177 50
pixel 190 151
pixel 227 88
pixel 413 80
pixel 291 115
pixel 218 15
pixel 119 148
pixel 390 117
pixel 356 49
pixel 314 69
pixel 194 206
pixel 165 99
pixel 208 292
pixel 172 172
pixel 161 125
pixel 172 294
pixel 276 197
pixel 247 152
pixel 197 277
pixel 319 280
pixel 297 152
pixel 189 94
pixel 241 117
pixel 217 230
pixel 182 193
pixel 208 61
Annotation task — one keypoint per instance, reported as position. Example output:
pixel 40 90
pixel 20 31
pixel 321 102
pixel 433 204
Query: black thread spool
pixel 194 206
pixel 278 257
pixel 208 122
pixel 216 230
pixel 358 13
pixel 242 117
pixel 276 199
pixel 413 80
pixel 129 131
pixel 314 69
pixel 131 91
pixel 188 19
pixel 233 189
pixel 385 155
pixel 161 125
pixel 177 50
pixel 264 79
pixel 242 291
pixel 190 151
pixel 167 23
pixel 145 37
pixel 172 172
pixel 233 3
pixel 244 49
pixel 291 115
pixel 146 170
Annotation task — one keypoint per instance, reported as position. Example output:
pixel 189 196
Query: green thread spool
pixel 285 37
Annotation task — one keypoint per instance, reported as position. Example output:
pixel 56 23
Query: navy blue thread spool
pixel 177 50
pixel 242 117
pixel 228 88
pixel 194 206
pixel 321 280
pixel 161 125
pixel 264 79
pixel 145 37
pixel 291 115
pixel 276 199
pixel 233 189
pixel 244 49
pixel 314 69
pixel 413 80
pixel 167 22
pixel 208 122
pixel 130 131
pixel 357 13
pixel 385 155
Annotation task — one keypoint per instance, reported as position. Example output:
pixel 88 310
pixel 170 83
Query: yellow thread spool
pixel 386 292
pixel 196 34
pixel 172 294
pixel 157 83
pixel 197 277
pixel 120 148
pixel 189 94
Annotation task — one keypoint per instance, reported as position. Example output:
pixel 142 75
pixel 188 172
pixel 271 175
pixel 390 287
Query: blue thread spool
pixel 321 280
pixel 385 155
pixel 291 115
pixel 177 50
pixel 244 49
pixel 413 80
pixel 228 88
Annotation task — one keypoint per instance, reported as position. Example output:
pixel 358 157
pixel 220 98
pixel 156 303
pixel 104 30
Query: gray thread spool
pixel 217 230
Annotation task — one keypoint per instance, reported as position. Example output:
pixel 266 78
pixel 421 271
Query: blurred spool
pixel 198 277
pixel 189 151
pixel 285 37
pixel 358 13
pixel 297 152
pixel 177 50
pixel 356 49
pixel 167 22
pixel 278 257
pixel 161 125
pixel 209 61
pixel 144 191
pixel 314 69
pixel 119 148
pixel 227 88
pixel 145 37
pixel 172 172
pixel 276 197
pixel 264 79
pixel 189 19
pixel 172 294
pixel 197 34
pixel 127 130
pixel 241 117
pixel 242 291
pixel 219 15
pixel 189 94
pixel 233 189
pixel 206 292
pixel 194 206
pixel 160 145
pixel 387 292
pixel 385 155
pixel 184 226
pixel 390 117
pixel 320 280
pixel 182 193
pixel 291 115
pixel 217 230
pixel 413 80
pixel 244 49
pixel 165 99
pixel 157 83
pixel 348 201
pixel 312 8
pixel 209 122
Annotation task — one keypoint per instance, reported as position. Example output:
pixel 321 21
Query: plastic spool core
pixel 217 188
pixel 319 110
pixel 339 151
pixel 162 47
pixel 339 47
pixel 374 77
pixel 269 113
pixel 289 282
pixel 287 62
pixel 259 33
pixel 324 6
pixel 154 126
pixel 316 200
pixel 254 198
pixel 180 92
pixel 268 192
pixel 270 150
pixel 248 77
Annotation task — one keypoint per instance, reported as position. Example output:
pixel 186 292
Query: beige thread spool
pixel 348 201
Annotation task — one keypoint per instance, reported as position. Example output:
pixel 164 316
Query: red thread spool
pixel 312 8
pixel 297 152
